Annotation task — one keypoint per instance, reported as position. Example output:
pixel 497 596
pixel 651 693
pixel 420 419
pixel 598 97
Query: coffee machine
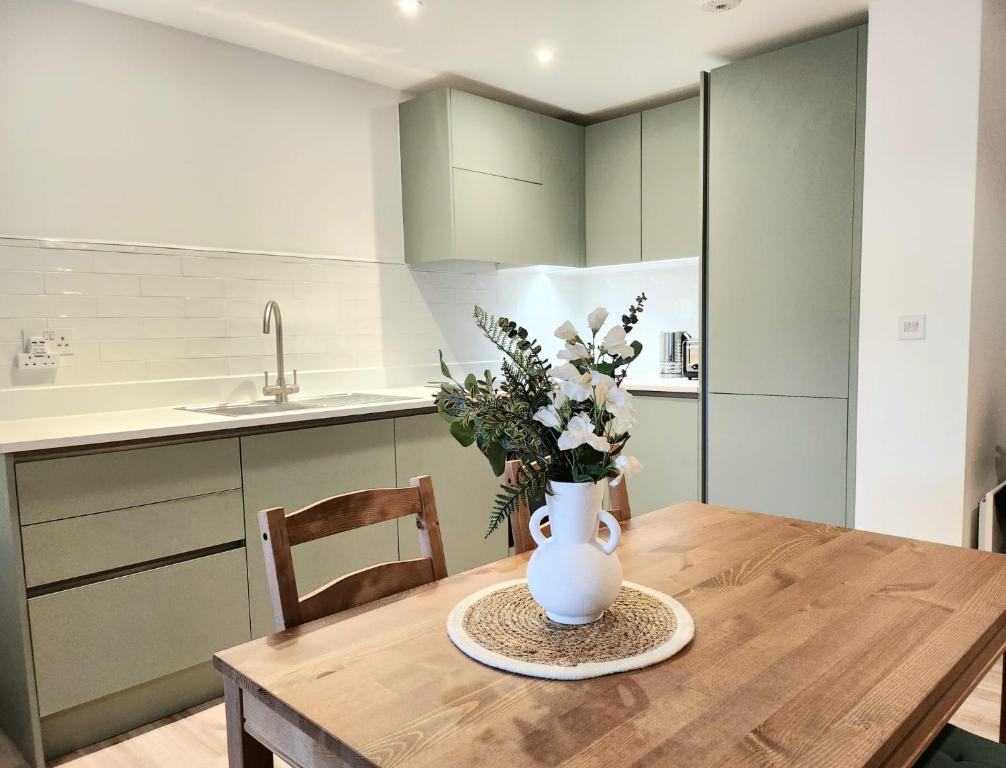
pixel 672 353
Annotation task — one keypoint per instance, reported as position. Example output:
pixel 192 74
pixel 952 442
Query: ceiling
pixel 609 56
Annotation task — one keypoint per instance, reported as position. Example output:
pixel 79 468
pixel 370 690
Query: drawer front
pixel 495 138
pixel 103 638
pixel 54 489
pixel 78 546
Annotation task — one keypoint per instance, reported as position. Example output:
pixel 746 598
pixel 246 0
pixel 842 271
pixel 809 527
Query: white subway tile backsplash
pixel 159 313
pixel 44 259
pixel 89 284
pixel 21 282
pixel 183 327
pixel 138 263
pixel 169 285
pixel 141 306
pixel 47 306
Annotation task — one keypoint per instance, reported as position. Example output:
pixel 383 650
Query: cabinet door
pixel 782 142
pixel 495 138
pixel 497 219
pixel 562 188
pixel 296 468
pixel 464 486
pixel 613 156
pixel 672 181
pixel 665 439
pixel 779 455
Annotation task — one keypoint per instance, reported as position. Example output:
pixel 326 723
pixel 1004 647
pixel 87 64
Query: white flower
pixel 578 388
pixel 603 385
pixel 596 319
pixel 614 343
pixel 564 372
pixel 627 466
pixel 549 416
pixel 624 417
pixel 566 331
pixel 573 351
pixel 580 431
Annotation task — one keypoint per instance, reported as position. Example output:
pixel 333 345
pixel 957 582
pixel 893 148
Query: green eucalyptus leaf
pixel 464 435
pixel 471 383
pixel 443 366
pixel 496 455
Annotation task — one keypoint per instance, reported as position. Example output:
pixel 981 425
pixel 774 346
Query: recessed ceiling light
pixel 544 55
pixel 716 6
pixel 409 6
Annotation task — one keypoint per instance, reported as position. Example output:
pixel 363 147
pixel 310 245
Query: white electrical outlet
pixel 912 327
pixel 28 361
pixel 60 340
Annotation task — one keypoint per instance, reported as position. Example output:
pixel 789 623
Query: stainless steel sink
pixel 271 406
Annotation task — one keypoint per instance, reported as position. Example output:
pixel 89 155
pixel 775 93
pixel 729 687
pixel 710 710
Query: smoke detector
pixel 717 6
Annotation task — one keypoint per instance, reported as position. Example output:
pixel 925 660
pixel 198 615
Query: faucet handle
pixel 266 378
pixel 295 377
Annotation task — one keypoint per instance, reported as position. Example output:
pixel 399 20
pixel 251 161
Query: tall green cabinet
pixel 784 185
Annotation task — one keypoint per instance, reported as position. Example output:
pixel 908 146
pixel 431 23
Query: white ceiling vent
pixel 716 6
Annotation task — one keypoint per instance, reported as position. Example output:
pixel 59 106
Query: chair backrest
pixel 618 497
pixel 339 514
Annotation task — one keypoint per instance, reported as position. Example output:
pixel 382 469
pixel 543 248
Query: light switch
pixel 912 327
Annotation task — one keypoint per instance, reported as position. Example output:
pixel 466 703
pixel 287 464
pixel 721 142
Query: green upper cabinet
pixel 613 191
pixel 495 138
pixel 782 186
pixel 485 181
pixel 671 182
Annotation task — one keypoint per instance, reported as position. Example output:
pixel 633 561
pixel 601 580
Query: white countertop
pixel 96 428
pixel 657 383
pixel 146 423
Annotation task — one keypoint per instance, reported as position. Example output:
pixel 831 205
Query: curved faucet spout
pixel 280 390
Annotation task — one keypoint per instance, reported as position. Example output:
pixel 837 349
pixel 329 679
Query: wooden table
pixel 815 646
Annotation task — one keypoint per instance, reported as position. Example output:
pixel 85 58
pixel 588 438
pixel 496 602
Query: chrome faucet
pixel 280 389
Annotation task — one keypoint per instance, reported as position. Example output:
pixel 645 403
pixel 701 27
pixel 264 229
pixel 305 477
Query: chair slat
pixel 338 514
pixel 366 585
pixel 349 511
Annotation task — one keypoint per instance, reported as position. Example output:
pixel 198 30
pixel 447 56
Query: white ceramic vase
pixel 572 574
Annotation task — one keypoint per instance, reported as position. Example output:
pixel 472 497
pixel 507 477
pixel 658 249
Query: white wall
pixel 919 244
pixel 986 419
pixel 117 129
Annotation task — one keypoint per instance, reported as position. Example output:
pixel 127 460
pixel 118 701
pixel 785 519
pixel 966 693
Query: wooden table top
pixel 814 646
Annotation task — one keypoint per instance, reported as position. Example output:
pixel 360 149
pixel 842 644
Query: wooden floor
pixel 196 738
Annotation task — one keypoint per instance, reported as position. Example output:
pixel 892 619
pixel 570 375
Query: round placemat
pixel 503 627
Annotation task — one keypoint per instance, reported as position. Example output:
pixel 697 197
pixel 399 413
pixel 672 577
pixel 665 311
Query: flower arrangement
pixel 569 423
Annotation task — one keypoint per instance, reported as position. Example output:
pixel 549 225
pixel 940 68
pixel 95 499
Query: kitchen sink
pixel 271 406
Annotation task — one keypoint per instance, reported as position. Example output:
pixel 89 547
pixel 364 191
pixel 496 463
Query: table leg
pixel 1002 704
pixel 243 751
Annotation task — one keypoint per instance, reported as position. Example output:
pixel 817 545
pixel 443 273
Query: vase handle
pixel 534 526
pixel 614 532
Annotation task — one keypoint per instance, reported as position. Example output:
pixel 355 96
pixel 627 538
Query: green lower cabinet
pixel 296 468
pixel 665 439
pixel 779 455
pixel 464 486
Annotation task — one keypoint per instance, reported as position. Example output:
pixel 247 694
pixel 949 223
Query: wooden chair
pixel 618 496
pixel 339 514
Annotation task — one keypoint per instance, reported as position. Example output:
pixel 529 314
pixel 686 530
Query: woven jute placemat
pixel 503 627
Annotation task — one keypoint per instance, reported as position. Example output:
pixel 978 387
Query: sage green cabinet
pixel 99 639
pixel 94 544
pixel 785 131
pixel 782 181
pixel 666 442
pixel 613 192
pixel 57 488
pixel 464 486
pixel 494 138
pixel 780 455
pixel 296 468
pixel 485 181
pixel 671 181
